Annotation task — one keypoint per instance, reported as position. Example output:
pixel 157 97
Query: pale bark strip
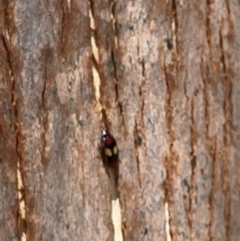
pixel 117 220
pixel 141 31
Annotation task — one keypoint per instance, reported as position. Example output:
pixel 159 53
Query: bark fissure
pixel 113 56
pixel 45 116
pixel 171 158
pixel 227 128
pixel 211 145
pixel 139 134
pixel 204 75
pixel 118 232
pixel 175 27
pixel 212 202
pixel 116 87
pixel 63 26
pixel 208 22
pixel 143 68
pixel 193 144
pixel 116 205
pixel 21 215
pixel 136 137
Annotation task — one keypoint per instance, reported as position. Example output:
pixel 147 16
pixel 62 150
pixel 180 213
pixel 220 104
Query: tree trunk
pixel 162 76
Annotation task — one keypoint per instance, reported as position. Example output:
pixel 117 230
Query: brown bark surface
pixel 169 87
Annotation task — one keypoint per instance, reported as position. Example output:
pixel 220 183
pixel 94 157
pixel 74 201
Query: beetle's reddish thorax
pixel 109 139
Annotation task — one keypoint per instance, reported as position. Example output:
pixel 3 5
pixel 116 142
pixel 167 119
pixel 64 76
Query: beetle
pixel 109 153
pixel 109 148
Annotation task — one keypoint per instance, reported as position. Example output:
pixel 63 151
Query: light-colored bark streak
pixel 174 27
pixel 95 52
pixel 117 220
pixel 21 201
pixel 21 222
pixel 167 222
pixel 113 20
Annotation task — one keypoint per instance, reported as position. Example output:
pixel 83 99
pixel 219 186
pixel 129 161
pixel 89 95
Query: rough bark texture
pixel 170 88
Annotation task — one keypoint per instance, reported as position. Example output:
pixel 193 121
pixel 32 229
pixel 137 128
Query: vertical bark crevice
pixel 137 143
pixel 172 156
pixel 118 232
pixel 116 204
pixel 116 87
pixel 212 202
pixel 45 116
pixel 114 47
pixel 175 25
pixel 205 74
pixel 7 42
pixel 139 130
pixel 66 25
pixel 193 143
pixel 227 136
pixel 63 23
pixel 211 145
pixel 208 23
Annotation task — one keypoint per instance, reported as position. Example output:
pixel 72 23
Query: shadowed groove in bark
pixel 116 86
pixel 208 23
pixel 21 215
pixel 171 157
pixel 137 142
pixel 215 157
pixel 227 136
pixel 64 25
pixel 45 118
pixel 63 8
pixel 214 150
pixel 210 142
pixel 205 80
pixel 175 25
pixel 113 56
pixel 139 130
pixel 116 206
pixel 193 143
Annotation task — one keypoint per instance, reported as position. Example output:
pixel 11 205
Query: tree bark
pixel 169 92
